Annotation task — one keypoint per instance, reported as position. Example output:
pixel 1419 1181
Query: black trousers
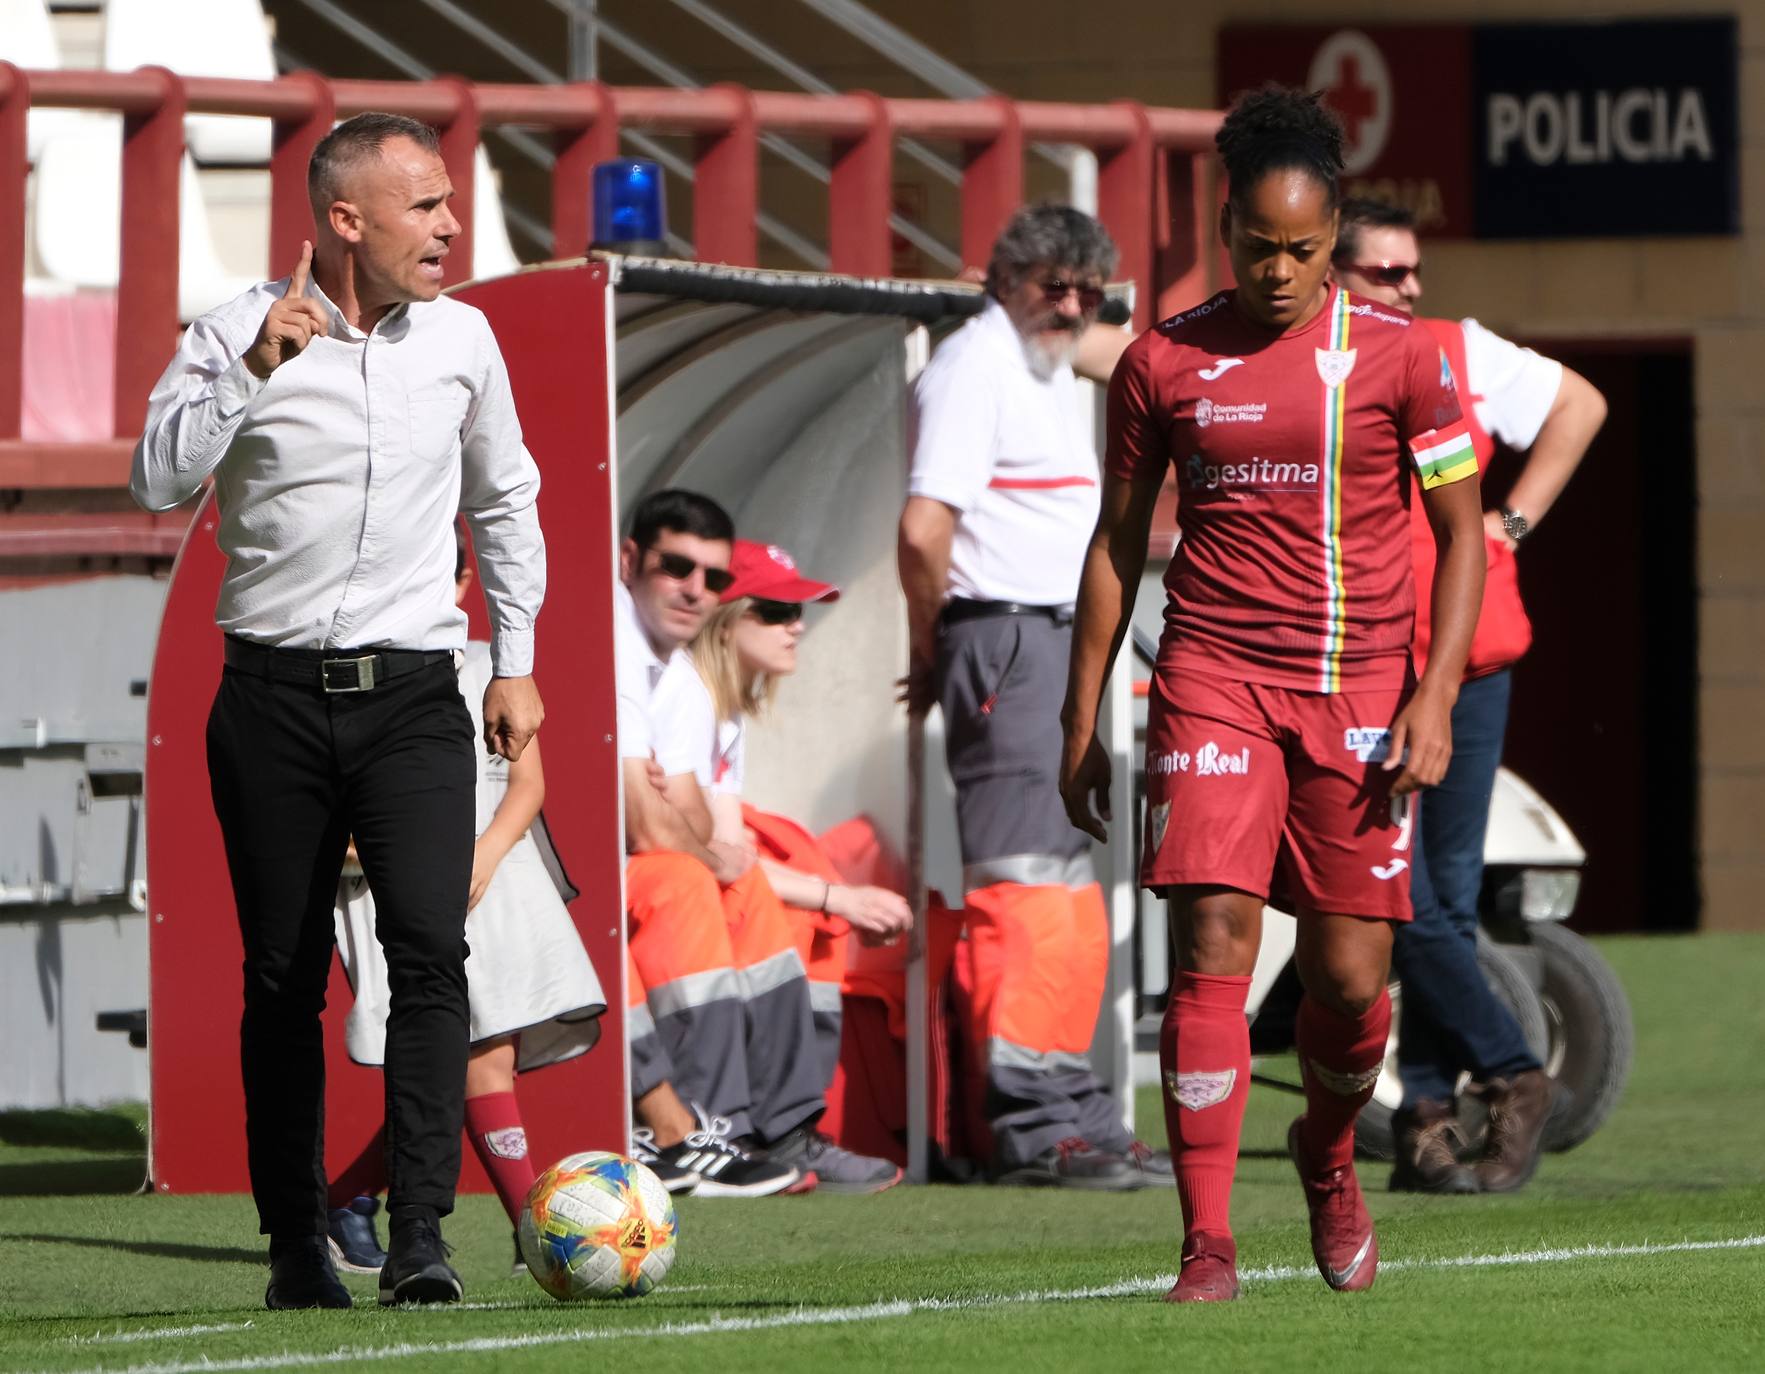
pixel 295 773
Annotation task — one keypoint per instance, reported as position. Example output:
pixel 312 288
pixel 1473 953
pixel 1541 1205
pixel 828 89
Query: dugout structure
pixel 782 396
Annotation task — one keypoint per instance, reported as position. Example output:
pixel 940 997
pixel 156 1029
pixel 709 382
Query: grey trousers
pixel 1000 682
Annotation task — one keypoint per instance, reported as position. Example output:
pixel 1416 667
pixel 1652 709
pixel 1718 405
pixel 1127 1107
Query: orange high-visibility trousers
pixel 820 939
pixel 690 1026
pixel 1035 966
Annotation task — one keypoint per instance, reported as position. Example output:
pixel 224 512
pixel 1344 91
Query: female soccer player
pixel 1284 724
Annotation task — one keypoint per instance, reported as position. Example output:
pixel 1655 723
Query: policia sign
pixel 1606 129
pixel 1523 130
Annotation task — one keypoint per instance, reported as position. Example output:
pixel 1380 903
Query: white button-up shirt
pixel 338 479
pixel 1012 453
pixel 662 704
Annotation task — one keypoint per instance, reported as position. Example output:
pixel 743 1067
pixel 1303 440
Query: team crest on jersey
pixel 1334 364
pixel 1159 821
pixel 1198 1090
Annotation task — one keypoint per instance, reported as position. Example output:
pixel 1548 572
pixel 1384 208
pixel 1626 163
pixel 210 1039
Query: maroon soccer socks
pixel 1204 1059
pixel 1340 1057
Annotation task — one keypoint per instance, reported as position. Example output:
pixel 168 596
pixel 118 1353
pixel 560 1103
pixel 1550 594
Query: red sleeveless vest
pixel 1503 631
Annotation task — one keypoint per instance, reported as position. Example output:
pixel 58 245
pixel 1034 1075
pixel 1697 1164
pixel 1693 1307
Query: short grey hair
pixel 354 141
pixel 1049 235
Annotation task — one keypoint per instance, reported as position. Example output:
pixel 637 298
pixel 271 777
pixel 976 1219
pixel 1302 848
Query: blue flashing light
pixel 628 203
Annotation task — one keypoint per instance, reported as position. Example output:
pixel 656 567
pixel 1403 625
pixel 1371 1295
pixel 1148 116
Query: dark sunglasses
pixel 1388 273
pixel 680 567
pixel 1054 292
pixel 777 612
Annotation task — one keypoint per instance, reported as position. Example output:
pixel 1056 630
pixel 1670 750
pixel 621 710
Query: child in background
pixel 533 995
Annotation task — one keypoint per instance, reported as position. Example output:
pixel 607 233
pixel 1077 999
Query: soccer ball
pixel 598 1225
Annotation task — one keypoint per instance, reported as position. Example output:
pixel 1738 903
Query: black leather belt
pixel 958 609
pixel 326 670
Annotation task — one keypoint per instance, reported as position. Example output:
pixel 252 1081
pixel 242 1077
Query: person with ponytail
pixel 746 646
pixel 1287 736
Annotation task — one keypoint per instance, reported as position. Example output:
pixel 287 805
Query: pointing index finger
pixel 297 282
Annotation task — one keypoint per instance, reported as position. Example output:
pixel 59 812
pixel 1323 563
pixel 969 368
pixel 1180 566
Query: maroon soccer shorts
pixel 1240 776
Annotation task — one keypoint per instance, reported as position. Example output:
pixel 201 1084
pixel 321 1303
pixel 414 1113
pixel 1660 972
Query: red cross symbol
pixel 1350 99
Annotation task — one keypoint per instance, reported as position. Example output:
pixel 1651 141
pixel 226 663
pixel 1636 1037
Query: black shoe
pixel 354 1245
pixel 301 1276
pixel 519 1269
pixel 674 1178
pixel 724 1168
pixel 416 1268
pixel 1074 1163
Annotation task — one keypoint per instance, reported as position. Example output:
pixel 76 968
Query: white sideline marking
pixel 161 1333
pixel 838 1316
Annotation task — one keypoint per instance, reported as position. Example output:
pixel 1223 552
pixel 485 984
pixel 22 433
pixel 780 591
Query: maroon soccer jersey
pixel 1293 455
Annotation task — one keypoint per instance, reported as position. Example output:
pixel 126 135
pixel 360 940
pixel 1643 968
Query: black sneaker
pixel 674 1178
pixel 301 1276
pixel 519 1269
pixel 723 1167
pixel 416 1268
pixel 354 1244
pixel 1074 1163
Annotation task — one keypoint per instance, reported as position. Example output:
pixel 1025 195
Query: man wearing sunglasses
pixel 1451 1021
pixel 1002 499
pixel 717 1000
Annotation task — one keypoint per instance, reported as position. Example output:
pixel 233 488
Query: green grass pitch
pixel 1643 1249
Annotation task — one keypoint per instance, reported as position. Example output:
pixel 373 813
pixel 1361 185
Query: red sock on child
pixel 1204 1058
pixel 365 1177
pixel 1339 1057
pixel 493 1121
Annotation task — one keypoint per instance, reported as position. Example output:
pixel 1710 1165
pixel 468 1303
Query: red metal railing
pixel 1153 189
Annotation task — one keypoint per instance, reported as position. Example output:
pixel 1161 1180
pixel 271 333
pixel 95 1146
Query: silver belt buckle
pixel 363 674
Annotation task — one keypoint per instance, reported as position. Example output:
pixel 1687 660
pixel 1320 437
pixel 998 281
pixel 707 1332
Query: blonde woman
pixel 749 643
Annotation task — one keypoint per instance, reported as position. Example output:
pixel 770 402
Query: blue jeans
pixel 1451 1021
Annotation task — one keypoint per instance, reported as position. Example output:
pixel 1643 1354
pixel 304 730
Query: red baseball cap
pixel 769 573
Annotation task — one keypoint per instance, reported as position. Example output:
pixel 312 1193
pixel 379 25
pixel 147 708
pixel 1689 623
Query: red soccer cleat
pixel 1210 1270
pixel 1342 1239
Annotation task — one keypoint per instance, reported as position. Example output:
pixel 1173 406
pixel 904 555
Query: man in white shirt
pixel 1451 1022
pixel 346 414
pixel 1002 499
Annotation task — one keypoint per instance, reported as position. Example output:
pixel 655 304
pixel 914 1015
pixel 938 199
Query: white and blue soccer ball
pixel 598 1225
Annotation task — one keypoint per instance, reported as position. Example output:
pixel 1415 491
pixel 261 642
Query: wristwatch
pixel 1516 525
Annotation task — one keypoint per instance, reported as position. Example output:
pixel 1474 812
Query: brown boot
pixel 1518 1108
pixel 1428 1145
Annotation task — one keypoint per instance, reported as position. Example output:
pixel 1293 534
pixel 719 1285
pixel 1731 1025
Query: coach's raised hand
pixel 289 325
